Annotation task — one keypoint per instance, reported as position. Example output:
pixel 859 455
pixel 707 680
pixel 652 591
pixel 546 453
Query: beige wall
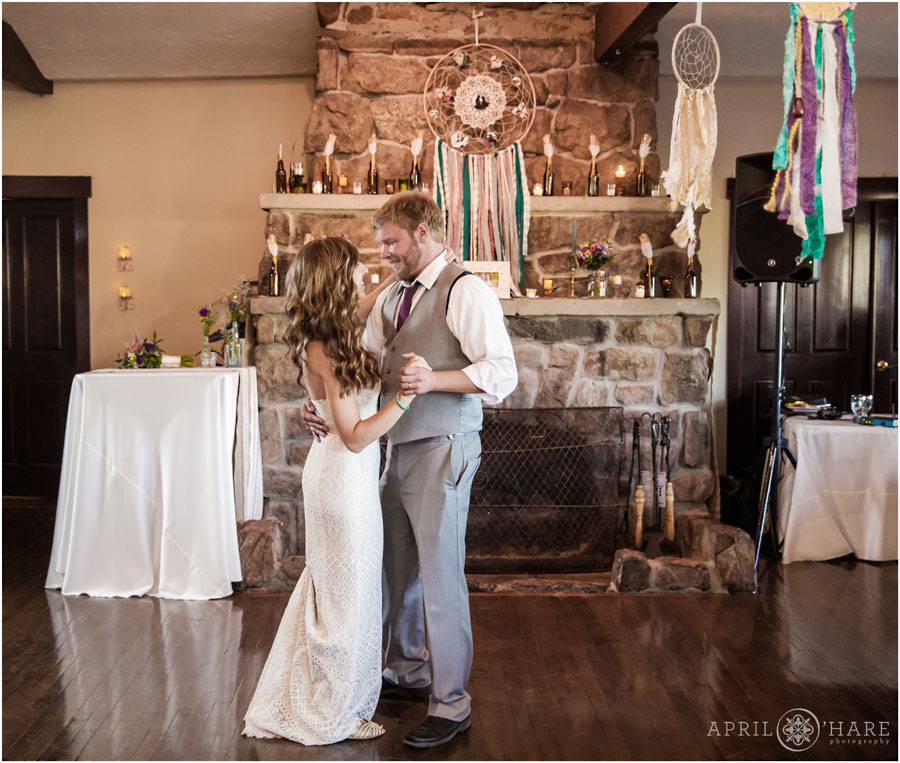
pixel 177 167
pixel 750 114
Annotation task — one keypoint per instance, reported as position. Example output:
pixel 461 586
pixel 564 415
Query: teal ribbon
pixel 851 59
pixel 520 210
pixel 467 205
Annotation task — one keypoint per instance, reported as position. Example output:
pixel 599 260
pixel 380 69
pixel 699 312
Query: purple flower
pixel 204 311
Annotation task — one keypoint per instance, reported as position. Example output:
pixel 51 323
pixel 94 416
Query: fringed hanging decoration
pixel 815 157
pixel 695 61
pixel 486 208
pixel 479 102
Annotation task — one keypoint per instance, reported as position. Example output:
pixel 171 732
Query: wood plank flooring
pixel 555 677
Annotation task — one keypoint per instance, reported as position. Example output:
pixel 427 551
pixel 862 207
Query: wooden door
pixel 45 327
pixel 883 383
pixel 832 328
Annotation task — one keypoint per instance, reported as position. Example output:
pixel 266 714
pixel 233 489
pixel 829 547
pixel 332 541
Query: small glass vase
pixel 597 286
pixel 207 356
pixel 233 350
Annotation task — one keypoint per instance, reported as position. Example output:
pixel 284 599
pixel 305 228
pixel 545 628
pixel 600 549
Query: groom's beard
pixel 408 266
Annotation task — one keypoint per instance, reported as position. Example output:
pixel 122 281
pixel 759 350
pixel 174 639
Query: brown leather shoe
pixel 405 693
pixel 434 731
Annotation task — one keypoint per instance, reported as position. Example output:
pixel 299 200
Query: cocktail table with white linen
pixel 147 491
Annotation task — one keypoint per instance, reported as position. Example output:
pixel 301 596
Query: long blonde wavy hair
pixel 321 303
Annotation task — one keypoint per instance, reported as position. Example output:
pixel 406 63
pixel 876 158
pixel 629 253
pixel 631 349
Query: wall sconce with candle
pixel 125 298
pixel 123 258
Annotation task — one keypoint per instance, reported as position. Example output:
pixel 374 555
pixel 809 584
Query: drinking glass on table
pixel 866 404
pixel 856 406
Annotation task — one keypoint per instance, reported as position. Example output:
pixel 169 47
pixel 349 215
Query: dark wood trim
pixel 19 67
pixel 78 189
pixel 617 26
pixel 46 187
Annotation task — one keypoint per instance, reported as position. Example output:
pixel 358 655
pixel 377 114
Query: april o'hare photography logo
pixel 798 729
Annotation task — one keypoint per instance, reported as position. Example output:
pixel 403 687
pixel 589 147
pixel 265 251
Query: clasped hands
pixel 416 378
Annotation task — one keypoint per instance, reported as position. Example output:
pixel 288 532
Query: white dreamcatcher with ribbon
pixel 479 102
pixel 695 61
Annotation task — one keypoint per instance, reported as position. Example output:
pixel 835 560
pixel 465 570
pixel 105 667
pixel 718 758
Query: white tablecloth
pixel 152 464
pixel 842 498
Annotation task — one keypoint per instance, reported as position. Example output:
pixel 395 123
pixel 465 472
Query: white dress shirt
pixel 475 318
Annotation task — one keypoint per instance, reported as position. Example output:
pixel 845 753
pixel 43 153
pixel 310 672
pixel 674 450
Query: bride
pixel 321 681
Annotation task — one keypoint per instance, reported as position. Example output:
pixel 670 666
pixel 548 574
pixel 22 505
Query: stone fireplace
pixel 627 356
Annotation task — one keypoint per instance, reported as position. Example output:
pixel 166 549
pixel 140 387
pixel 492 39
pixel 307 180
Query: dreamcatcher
pixel 695 61
pixel 479 102
pixel 815 157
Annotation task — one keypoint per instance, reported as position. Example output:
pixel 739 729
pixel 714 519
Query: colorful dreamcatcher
pixel 816 155
pixel 479 98
pixel 479 102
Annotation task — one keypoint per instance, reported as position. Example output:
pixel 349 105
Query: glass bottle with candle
pixel 643 188
pixel 298 184
pixel 327 180
pixel 415 176
pixel 593 179
pixel 548 177
pixel 274 286
pixel 372 178
pixel 620 180
pixel 647 279
pixel 691 284
pixel 280 175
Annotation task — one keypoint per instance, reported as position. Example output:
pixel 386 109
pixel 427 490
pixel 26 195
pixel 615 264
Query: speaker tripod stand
pixel 778 446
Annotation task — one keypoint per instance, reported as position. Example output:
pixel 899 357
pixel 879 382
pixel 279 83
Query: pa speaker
pixel 764 248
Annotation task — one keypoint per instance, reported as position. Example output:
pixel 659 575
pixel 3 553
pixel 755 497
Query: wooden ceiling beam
pixel 19 67
pixel 619 25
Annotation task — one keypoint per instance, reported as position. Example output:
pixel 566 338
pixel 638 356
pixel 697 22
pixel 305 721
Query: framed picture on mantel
pixel 494 274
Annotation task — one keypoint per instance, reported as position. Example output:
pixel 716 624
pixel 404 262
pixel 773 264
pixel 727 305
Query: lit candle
pixel 620 172
pixel 317 186
pixel 538 190
pixel 548 285
pixel 375 278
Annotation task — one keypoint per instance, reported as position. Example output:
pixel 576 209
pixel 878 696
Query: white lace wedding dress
pixel 323 673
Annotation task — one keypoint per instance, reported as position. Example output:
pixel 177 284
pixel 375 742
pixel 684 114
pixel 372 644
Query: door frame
pixel 868 189
pixel 78 189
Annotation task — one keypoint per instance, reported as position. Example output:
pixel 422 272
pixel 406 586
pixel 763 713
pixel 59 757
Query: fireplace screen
pixel 546 497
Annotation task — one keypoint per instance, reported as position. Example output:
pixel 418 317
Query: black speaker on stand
pixel 766 250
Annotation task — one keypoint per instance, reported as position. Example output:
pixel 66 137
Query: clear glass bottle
pixel 691 283
pixel 298 185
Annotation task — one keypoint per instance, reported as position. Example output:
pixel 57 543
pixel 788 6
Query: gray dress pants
pixel 427 634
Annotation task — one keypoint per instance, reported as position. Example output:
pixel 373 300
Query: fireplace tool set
pixel 652 479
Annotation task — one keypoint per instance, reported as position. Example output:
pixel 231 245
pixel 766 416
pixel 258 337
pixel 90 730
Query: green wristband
pixel 397 401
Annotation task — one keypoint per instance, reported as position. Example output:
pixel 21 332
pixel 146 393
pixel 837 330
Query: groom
pixel 453 320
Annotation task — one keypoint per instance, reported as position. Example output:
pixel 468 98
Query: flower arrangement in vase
pixel 595 256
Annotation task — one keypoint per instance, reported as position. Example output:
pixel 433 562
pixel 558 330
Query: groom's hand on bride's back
pixel 311 419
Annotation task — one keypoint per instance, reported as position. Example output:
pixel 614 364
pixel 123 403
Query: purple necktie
pixel 406 304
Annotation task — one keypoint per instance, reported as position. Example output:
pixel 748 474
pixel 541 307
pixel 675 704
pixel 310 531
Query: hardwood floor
pixel 556 677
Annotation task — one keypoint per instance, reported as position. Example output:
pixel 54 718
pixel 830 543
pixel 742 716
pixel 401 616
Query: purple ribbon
pixel 849 169
pixel 808 124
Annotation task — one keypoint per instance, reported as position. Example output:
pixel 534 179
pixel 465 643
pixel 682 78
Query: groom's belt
pixel 455 436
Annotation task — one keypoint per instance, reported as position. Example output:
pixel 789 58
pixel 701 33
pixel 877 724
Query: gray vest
pixel 425 332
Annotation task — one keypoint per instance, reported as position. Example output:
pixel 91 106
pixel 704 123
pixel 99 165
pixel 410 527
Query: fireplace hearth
pixel 546 497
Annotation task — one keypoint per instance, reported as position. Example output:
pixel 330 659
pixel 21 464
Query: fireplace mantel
pixel 563 306
pixel 364 204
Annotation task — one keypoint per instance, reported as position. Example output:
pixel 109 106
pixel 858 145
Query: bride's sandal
pixel 367 730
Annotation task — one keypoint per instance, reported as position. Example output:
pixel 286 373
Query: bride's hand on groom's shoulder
pixel 311 419
pixel 416 377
